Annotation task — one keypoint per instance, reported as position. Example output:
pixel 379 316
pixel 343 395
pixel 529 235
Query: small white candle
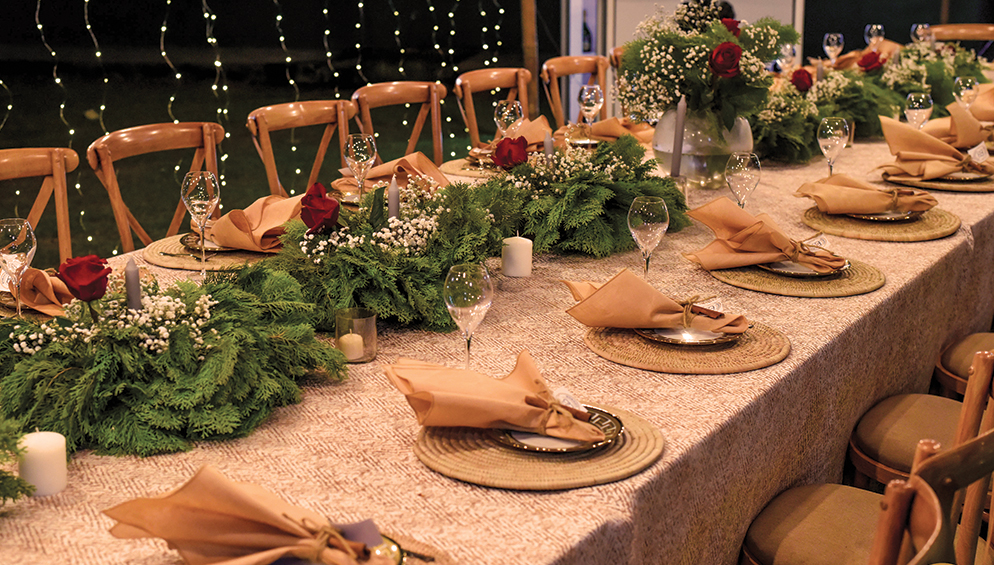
pixel 681 112
pixel 133 285
pixel 43 463
pixel 820 71
pixel 393 198
pixel 351 346
pixel 547 146
pixel 516 257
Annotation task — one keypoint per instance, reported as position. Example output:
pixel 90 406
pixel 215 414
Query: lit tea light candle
pixel 351 345
pixel 516 257
pixel 43 463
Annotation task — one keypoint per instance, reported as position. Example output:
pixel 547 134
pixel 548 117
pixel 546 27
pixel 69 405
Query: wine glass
pixel 788 54
pixel 360 152
pixel 921 33
pixel 591 100
pixel 742 174
pixel 873 34
pixel 468 294
pixel 648 220
pixel 507 115
pixel 833 44
pixel 201 193
pixel 833 134
pixel 965 91
pixel 17 249
pixel 918 109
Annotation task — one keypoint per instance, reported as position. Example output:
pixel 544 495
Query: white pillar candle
pixel 43 463
pixel 393 198
pixel 516 257
pixel 681 112
pixel 133 285
pixel 351 345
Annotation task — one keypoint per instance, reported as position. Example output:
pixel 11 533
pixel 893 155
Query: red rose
pixel 871 62
pixel 732 26
pixel 724 60
pixel 86 277
pixel 317 210
pixel 801 79
pixel 510 152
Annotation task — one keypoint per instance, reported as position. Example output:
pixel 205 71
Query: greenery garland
pixel 580 203
pixel 11 486
pixel 196 363
pixel 919 67
pixel 784 130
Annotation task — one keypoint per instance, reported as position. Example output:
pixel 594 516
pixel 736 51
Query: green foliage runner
pixel 11 487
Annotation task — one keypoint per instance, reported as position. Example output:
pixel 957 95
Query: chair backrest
pixel 52 163
pixel 141 140
pixel 428 94
pixel 963 32
pixel 513 80
pixel 557 67
pixel 330 113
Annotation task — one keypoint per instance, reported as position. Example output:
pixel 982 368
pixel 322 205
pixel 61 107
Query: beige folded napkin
pixel 841 194
pixel 611 129
pixel 43 292
pixel 983 107
pixel 921 156
pixel 532 130
pixel 961 129
pixel 442 396
pixel 414 165
pixel 257 228
pixel 850 60
pixel 627 301
pixel 213 520
pixel 741 240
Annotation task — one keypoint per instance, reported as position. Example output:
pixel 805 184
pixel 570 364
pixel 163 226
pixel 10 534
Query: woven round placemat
pixel 933 224
pixel 471 455
pixel 219 262
pixel 986 185
pixel 461 168
pixel 411 545
pixel 860 278
pixel 761 346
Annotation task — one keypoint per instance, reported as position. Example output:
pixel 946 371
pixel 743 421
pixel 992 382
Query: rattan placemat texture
pixel 860 278
pixel 933 224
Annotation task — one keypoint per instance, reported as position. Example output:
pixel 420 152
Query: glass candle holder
pixel 355 334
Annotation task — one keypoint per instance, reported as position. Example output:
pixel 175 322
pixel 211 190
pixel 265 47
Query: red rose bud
pixel 801 79
pixel 732 26
pixel 317 210
pixel 871 62
pixel 724 60
pixel 510 152
pixel 85 277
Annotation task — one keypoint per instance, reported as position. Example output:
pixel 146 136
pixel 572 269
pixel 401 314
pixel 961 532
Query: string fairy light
pixel 327 49
pixel 55 73
pixel 396 37
pixel 288 60
pixel 220 79
pixel 100 63
pixel 360 27
pixel 177 76
pixel 10 104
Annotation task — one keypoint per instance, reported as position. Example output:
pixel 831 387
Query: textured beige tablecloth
pixel 733 441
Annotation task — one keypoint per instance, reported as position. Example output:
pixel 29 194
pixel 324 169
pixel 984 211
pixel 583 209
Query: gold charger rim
pixel 979 185
pixel 861 278
pixel 935 223
pixel 460 167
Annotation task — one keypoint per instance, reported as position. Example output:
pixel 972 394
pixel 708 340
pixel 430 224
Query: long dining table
pixel 732 441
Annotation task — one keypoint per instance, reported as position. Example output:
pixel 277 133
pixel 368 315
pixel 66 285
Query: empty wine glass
pixel 918 109
pixel 873 34
pixel 648 220
pixel 965 91
pixel 833 43
pixel 508 115
pixel 360 152
pixel 468 293
pixel 833 134
pixel 921 33
pixel 17 249
pixel 742 174
pixel 788 55
pixel 591 100
pixel 200 193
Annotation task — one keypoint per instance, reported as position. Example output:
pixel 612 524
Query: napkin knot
pixel 802 247
pixel 688 306
pixel 323 534
pixel 555 408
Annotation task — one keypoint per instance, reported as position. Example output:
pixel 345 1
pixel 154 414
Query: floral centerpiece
pixel 196 363
pixel 921 68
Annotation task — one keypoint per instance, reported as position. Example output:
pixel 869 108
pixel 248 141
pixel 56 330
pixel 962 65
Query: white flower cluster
pixel 831 87
pixel 550 177
pixel 409 235
pixel 785 102
pixel 908 65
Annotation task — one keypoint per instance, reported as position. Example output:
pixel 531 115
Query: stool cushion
pixel 889 432
pixel 958 357
pixel 823 524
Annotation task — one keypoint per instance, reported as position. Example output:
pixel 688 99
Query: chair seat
pixel 823 524
pixel 889 431
pixel 958 357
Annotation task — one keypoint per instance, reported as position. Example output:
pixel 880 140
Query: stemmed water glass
pixel 788 55
pixel 591 100
pixel 833 134
pixel 873 34
pixel 965 91
pixel 918 109
pixel 360 152
pixel 833 43
pixel 468 294
pixel 648 220
pixel 507 115
pixel 17 249
pixel 201 193
pixel 921 33
pixel 742 174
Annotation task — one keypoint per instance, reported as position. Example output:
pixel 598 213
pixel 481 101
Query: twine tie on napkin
pixel 323 533
pixel 555 408
pixel 688 306
pixel 799 248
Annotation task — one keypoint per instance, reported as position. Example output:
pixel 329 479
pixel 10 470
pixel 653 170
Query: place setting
pixel 486 160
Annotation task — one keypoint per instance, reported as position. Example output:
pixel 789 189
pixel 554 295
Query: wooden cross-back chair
pixel 141 140
pixel 52 163
pixel 428 94
pixel 513 80
pixel 333 114
pixel 558 67
pixel 965 32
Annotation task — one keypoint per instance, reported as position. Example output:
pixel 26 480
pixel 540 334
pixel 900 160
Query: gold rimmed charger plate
pixel 524 441
pixel 975 184
pixel 466 168
pixel 177 256
pixel 888 216
pixel 800 271
pixel 688 337
pixel 8 308
pixel 859 278
pixel 931 224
